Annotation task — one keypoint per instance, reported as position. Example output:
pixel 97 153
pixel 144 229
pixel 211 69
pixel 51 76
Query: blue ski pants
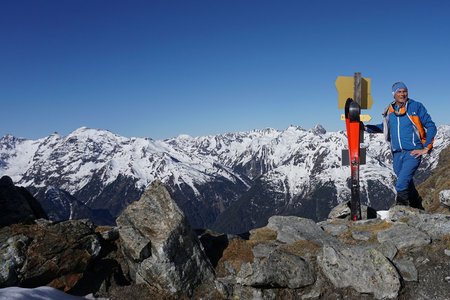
pixel 405 165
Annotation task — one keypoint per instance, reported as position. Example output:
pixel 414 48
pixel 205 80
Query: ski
pixel 352 122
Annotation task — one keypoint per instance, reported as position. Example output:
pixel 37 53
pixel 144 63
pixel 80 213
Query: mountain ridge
pixel 205 175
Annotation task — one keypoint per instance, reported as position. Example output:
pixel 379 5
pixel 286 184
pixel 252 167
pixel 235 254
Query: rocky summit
pixel 153 253
pixel 406 256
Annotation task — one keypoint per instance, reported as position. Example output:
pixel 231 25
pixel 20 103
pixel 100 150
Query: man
pixel 409 129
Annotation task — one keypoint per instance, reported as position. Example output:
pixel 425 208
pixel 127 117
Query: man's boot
pixel 402 198
pixel 415 200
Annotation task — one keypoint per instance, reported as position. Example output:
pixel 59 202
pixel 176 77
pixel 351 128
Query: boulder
pixel 47 254
pixel 388 249
pixel 290 229
pixel 17 205
pixel 159 245
pixel 401 213
pixel 404 236
pixel 406 268
pixel 437 226
pixel 334 229
pixel 365 270
pixel 279 270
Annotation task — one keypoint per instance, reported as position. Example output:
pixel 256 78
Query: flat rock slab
pixel 404 236
pixel 365 270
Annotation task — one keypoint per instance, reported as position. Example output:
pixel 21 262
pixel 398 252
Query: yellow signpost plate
pixel 345 88
pixel 362 118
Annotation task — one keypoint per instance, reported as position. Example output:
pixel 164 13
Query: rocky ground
pixel 153 253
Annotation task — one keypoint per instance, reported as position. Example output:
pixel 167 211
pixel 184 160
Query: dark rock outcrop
pixel 47 254
pixel 17 205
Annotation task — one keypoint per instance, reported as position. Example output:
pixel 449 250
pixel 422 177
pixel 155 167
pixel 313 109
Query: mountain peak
pixel 184 137
pixel 9 138
pixel 318 129
pixel 85 133
pixel 294 128
pixel 86 130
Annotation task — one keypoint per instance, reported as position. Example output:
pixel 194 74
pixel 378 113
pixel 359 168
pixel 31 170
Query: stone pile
pixel 370 259
pixel 153 253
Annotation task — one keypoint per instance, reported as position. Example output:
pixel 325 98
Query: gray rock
pixel 313 295
pixel 290 229
pixel 343 211
pixel 388 249
pixel 436 225
pixel 12 258
pixel 334 229
pixel 444 197
pixel 229 267
pixel 361 235
pixel 407 269
pixel 110 235
pixel 365 270
pixel 160 248
pixel 279 270
pixel 134 244
pixel 404 236
pixel 401 213
pixel 264 250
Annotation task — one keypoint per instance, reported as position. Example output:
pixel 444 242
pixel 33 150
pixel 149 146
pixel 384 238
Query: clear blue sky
pixel 162 68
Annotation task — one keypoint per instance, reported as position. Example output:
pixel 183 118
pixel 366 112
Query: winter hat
pixel 398 85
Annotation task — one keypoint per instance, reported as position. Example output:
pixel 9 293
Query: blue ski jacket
pixel 408 128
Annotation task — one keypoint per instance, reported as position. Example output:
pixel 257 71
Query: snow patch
pixel 383 214
pixel 39 293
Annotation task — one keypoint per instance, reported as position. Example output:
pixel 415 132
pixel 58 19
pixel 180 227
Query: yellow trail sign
pixel 362 118
pixel 345 87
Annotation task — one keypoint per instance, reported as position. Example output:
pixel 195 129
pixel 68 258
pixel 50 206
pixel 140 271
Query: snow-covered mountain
pixel 230 182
